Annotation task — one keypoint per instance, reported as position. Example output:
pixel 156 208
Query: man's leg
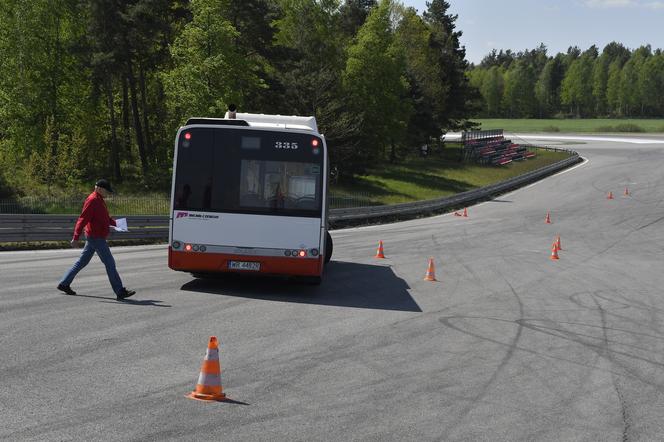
pixel 104 252
pixel 83 260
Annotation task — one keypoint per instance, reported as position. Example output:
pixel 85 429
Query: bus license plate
pixel 244 265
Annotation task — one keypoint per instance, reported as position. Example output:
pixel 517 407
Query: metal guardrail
pixel 29 227
pixel 440 204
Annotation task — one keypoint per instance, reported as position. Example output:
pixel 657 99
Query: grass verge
pixel 591 125
pixel 427 178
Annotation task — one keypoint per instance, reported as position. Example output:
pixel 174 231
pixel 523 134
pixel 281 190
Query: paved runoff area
pixel 507 345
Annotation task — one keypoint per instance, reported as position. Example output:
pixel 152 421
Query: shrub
pixel 623 127
pixel 551 129
pixel 629 127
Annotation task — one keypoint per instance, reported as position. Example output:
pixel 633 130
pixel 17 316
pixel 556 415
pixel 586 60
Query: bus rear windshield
pixel 249 171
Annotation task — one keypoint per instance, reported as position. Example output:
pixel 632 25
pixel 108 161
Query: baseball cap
pixel 104 184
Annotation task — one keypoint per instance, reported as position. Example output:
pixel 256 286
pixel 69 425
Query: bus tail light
pixel 187 247
pixel 176 244
pixel 314 252
pixel 187 135
pixel 302 253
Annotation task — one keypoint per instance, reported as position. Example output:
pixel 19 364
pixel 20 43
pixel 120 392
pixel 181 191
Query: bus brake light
pixel 187 136
pixel 314 142
pixel 302 253
pixel 187 247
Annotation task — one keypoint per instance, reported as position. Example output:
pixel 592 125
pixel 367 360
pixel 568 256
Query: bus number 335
pixel 285 145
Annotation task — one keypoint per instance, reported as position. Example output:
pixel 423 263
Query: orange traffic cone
pixel 208 387
pixel 554 251
pixel 431 272
pixel 465 212
pixel 626 192
pixel 548 218
pixel 379 252
pixel 558 245
pixel 609 196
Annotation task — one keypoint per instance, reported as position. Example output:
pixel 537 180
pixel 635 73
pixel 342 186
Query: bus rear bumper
pixel 218 263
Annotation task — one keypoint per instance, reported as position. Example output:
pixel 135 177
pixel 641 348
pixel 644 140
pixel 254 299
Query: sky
pixel 524 24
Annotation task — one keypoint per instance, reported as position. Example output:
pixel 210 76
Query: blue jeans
pixel 100 246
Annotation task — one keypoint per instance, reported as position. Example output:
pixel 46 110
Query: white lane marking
pixel 586 138
pixel 457 136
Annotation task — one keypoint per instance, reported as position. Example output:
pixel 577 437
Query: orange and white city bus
pixel 249 195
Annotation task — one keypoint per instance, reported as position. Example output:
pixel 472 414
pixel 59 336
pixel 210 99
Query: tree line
pixel 618 82
pixel 93 88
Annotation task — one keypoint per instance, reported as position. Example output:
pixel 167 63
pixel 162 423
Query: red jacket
pixel 94 217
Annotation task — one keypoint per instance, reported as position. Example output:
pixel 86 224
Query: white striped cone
pixel 209 387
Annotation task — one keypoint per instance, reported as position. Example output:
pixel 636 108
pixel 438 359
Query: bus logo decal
pixel 181 215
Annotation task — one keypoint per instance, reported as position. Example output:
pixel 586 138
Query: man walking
pixel 96 220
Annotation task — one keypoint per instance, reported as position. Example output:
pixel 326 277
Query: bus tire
pixel 328 247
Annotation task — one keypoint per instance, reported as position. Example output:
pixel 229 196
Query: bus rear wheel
pixel 328 247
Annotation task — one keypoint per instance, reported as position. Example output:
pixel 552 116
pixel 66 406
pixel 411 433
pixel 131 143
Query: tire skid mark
pixel 512 347
pixel 607 354
pixel 447 321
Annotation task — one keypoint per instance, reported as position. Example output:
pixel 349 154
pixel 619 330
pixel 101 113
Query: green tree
pixel 600 76
pixel 427 93
pixel 208 71
pixel 546 90
pixel 308 30
pixel 616 51
pixel 451 57
pixel 374 82
pixel 254 23
pixel 630 95
pixel 353 14
pixel 492 90
pixel 652 81
pixel 42 84
pixel 519 91
pixel 613 88
pixel 576 90
pixel 640 58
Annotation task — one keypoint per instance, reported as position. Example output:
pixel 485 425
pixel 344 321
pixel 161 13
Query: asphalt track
pixel 508 345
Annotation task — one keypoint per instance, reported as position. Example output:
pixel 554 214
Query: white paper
pixel 120 225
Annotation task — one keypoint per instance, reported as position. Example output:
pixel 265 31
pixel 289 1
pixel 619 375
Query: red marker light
pixel 302 253
pixel 187 136
pixel 187 247
pixel 314 142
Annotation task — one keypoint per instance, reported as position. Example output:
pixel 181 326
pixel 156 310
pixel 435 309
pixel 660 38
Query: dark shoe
pixel 67 289
pixel 124 293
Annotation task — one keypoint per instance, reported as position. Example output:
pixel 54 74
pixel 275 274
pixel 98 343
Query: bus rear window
pixel 279 185
pixel 241 171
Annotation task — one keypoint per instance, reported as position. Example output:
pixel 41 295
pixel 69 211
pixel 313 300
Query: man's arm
pixel 83 219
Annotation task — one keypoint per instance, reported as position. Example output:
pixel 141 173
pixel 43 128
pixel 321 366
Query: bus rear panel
pixel 248 200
